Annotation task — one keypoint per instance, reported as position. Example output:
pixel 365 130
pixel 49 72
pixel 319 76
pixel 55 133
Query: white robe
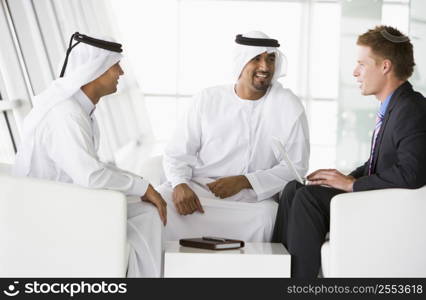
pixel 224 135
pixel 145 236
pixel 65 150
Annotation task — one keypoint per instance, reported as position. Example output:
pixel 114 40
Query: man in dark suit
pixel 397 157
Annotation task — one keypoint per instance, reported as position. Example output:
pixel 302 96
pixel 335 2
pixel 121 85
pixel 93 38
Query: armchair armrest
pixel 52 229
pixel 5 169
pixel 378 234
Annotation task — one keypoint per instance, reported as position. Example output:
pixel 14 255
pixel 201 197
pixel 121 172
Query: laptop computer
pixel 281 154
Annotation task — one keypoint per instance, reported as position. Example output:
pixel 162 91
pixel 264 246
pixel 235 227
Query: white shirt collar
pixel 85 102
pixel 253 102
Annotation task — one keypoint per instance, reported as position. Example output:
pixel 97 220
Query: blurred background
pixel 174 48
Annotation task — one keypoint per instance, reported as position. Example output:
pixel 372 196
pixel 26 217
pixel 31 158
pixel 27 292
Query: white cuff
pixel 178 181
pixel 254 183
pixel 139 187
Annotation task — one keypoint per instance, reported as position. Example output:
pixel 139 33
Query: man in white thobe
pixel 222 168
pixel 61 138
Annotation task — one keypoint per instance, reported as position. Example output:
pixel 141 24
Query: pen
pixel 214 239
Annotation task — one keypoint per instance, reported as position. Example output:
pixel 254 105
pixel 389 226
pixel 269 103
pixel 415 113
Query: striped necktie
pixel 379 120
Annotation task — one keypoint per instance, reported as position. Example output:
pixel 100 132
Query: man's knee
pixel 305 200
pixel 292 186
pixel 289 192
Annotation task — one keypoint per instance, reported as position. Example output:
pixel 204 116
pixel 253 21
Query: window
pixel 7 143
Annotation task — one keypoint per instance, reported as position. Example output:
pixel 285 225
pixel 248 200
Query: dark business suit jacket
pixel 400 151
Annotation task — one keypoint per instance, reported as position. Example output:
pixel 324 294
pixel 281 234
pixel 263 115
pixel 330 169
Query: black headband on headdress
pixel 240 39
pixel 81 38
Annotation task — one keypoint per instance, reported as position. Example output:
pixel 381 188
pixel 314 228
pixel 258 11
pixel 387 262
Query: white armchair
pixel 377 234
pixel 51 229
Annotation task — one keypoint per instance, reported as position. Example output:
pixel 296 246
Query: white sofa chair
pixel 51 229
pixel 377 234
pixel 5 169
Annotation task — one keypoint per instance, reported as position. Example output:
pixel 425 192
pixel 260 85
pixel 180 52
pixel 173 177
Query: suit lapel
pixel 393 101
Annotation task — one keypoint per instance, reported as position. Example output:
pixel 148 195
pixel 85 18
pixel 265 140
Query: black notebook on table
pixel 212 243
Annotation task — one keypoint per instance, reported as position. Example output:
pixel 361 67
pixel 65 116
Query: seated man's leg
pixel 251 222
pixel 281 221
pixel 308 223
pixel 145 238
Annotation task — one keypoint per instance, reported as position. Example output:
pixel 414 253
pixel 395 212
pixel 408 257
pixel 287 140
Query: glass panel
pixel 396 15
pixel 355 118
pixel 150 37
pixel 323 122
pixel 418 38
pixel 31 44
pixel 7 154
pixel 325 50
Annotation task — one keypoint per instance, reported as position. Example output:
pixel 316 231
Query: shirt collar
pixel 385 104
pixel 85 102
pixel 254 102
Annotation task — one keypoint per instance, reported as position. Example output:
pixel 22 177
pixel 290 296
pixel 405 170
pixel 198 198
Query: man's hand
pixel 332 178
pixel 229 186
pixel 151 195
pixel 185 200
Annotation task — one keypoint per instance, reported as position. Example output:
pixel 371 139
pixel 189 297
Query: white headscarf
pixel 243 54
pixel 85 64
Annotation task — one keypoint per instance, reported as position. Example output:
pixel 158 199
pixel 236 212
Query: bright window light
pixel 163 116
pixel 325 50
pixel 396 15
pixel 150 34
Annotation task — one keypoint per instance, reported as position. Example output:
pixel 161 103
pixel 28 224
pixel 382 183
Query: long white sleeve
pixel 269 182
pixel 181 153
pixel 72 136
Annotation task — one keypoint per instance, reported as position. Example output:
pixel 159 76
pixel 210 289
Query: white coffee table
pixel 254 260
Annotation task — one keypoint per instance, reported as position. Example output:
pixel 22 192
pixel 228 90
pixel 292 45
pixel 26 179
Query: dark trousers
pixel 303 220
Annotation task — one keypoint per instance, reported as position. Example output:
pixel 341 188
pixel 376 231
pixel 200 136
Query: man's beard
pixel 261 86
